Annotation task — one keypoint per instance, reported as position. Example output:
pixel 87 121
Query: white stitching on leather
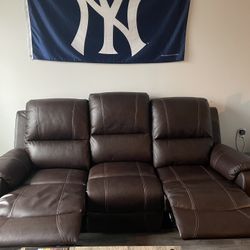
pixel 136 110
pixel 145 193
pixel 197 223
pixel 58 223
pixel 121 175
pixel 217 159
pixel 37 123
pixel 72 120
pixel 102 112
pixel 228 194
pixel 13 206
pixel 166 115
pixel 143 185
pixel 105 187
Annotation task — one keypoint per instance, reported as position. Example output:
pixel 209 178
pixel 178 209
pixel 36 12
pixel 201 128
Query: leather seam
pixel 218 158
pixel 58 223
pixel 144 191
pixel 72 121
pixel 228 194
pixel 113 176
pixel 14 204
pixel 37 123
pixel 136 111
pixel 166 116
pixel 194 209
pixel 102 112
pixel 105 188
pixel 56 183
pixel 39 216
pixel 13 207
pixel 143 186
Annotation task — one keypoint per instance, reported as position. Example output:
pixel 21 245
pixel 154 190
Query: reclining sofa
pixel 120 162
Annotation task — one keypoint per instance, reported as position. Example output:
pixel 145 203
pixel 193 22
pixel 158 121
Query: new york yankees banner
pixel 108 31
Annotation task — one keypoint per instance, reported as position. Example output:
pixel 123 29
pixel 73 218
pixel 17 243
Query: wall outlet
pixel 241 132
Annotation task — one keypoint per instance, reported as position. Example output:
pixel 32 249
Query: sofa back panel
pixel 59 154
pixel 120 127
pixel 119 113
pixel 181 118
pixel 21 120
pixel 57 119
pixel 57 133
pixel 133 147
pixel 182 131
pixel 20 127
pixel 181 152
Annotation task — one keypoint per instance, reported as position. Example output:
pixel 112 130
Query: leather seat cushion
pixel 205 205
pixel 124 187
pixel 41 213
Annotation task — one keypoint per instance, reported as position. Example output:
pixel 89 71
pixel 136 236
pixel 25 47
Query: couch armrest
pixel 15 167
pixel 243 180
pixel 228 162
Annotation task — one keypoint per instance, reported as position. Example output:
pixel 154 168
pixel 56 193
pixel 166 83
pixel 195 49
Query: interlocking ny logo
pixel 109 14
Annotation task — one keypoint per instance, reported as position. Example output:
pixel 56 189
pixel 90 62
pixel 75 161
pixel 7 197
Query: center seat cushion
pixel 205 204
pixel 41 212
pixel 123 187
pixel 124 196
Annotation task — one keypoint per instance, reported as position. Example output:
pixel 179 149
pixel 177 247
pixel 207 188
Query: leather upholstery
pixel 4 189
pixel 205 204
pixel 182 131
pixel 123 190
pixel 124 187
pixel 46 211
pixel 121 147
pixel 15 167
pixel 124 193
pixel 229 162
pixel 215 125
pixel 21 119
pixel 117 189
pixel 20 127
pixel 119 113
pixel 120 127
pixel 243 180
pixel 57 133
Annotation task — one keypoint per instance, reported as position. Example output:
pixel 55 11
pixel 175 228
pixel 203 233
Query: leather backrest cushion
pixel 119 113
pixel 182 131
pixel 120 127
pixel 121 148
pixel 57 133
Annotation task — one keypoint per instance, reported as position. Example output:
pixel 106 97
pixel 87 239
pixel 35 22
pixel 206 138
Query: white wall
pixel 217 67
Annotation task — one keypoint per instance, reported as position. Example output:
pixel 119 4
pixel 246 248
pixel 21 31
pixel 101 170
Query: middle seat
pixel 123 191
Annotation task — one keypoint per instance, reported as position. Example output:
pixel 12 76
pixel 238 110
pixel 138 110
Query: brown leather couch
pixel 120 162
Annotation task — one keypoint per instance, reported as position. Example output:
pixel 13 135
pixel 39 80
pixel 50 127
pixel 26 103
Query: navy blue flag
pixel 108 31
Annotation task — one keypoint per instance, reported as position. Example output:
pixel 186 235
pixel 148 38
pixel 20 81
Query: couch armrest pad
pixel 15 167
pixel 243 180
pixel 228 162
